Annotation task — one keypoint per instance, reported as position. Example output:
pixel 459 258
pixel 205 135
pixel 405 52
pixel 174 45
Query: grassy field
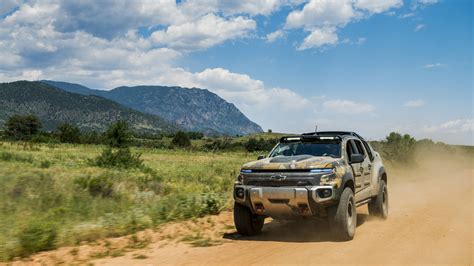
pixel 51 195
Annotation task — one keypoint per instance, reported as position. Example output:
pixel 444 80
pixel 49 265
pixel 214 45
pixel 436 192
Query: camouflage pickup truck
pixel 314 175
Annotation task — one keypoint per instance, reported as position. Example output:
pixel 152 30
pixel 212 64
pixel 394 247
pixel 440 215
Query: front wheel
pixel 247 223
pixel 343 217
pixel 378 206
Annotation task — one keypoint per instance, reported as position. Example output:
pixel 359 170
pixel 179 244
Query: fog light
pixel 259 208
pixel 324 193
pixel 239 193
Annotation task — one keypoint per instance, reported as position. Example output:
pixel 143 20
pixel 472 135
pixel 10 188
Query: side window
pixel 369 151
pixel 359 147
pixel 351 148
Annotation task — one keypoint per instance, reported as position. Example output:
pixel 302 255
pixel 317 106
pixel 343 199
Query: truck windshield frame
pixel 318 148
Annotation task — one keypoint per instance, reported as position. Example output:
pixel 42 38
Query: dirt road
pixel 430 221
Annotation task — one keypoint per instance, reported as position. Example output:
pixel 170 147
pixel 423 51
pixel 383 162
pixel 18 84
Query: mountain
pixel 55 106
pixel 191 108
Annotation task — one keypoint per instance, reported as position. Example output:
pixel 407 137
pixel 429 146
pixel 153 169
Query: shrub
pixel 44 137
pixel 195 135
pixel 37 236
pixel 219 144
pixel 45 164
pixel 68 133
pixel 96 186
pixel 398 148
pixel 22 127
pixel 181 139
pixel 121 158
pixel 259 145
pixel 118 135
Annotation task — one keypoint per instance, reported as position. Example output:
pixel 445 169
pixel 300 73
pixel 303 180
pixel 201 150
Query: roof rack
pixel 333 133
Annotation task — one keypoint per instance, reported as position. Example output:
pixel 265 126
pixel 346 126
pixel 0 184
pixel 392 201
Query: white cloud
pixel 452 126
pixel 319 37
pixel 323 18
pixel 321 13
pixel 273 36
pixel 422 3
pixel 378 6
pixel 407 15
pixel 419 27
pixel 414 103
pixel 208 31
pixel 433 65
pixel 229 8
pixel 347 107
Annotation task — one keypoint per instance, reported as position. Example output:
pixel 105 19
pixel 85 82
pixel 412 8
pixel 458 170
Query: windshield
pixel 331 149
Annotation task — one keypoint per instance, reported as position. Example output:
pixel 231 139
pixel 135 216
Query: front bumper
pixel 286 202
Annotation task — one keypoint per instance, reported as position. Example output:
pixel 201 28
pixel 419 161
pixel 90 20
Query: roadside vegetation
pixel 68 187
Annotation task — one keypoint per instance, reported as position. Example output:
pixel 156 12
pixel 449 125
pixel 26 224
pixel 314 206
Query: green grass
pixel 51 192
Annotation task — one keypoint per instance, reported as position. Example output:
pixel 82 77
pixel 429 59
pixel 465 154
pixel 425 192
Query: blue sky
pixel 368 66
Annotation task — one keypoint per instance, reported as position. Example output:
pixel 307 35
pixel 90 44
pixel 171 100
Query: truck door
pixel 365 166
pixel 356 167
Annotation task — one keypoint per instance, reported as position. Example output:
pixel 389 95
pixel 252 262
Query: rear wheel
pixel 343 217
pixel 378 206
pixel 247 223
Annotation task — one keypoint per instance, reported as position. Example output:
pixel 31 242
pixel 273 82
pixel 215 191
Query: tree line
pixel 28 128
pixel 395 147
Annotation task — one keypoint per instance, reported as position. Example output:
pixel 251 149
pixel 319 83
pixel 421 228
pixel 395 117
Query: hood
pixel 291 162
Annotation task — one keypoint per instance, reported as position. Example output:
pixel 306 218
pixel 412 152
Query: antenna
pixel 316 128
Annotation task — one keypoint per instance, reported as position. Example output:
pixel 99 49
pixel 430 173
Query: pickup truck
pixel 318 175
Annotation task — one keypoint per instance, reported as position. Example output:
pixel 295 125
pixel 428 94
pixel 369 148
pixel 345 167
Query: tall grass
pixel 51 195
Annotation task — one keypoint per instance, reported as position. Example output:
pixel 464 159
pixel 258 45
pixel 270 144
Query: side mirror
pixel 357 158
pixel 261 157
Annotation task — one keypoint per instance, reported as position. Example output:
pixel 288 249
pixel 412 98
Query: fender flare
pixel 381 174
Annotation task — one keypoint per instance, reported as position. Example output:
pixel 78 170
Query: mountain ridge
pixel 193 109
pixel 55 106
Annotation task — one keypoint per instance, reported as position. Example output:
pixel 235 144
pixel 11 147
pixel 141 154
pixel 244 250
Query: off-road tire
pixel 247 223
pixel 343 217
pixel 378 206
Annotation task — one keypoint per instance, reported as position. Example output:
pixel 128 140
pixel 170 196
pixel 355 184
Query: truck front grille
pixel 278 183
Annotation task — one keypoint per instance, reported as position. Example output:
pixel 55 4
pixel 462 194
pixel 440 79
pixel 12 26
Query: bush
pixel 37 236
pixel 195 135
pixel 398 148
pixel 45 164
pixel 219 144
pixel 22 127
pixel 181 140
pixel 118 135
pixel 68 133
pixel 121 158
pixel 96 186
pixel 44 137
pixel 260 145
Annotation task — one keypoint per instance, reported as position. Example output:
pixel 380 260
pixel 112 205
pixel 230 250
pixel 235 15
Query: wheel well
pixel 350 184
pixel 384 178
